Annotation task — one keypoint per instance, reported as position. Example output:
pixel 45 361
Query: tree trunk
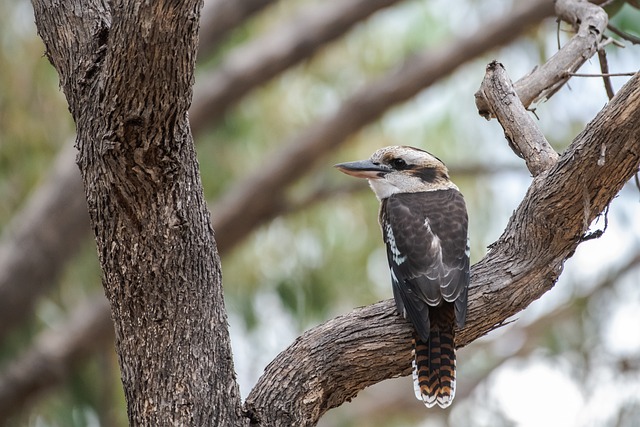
pixel 127 71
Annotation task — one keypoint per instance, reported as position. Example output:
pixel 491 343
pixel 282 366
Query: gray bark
pixel 126 69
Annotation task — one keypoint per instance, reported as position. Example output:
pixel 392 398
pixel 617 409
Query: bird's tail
pixel 434 367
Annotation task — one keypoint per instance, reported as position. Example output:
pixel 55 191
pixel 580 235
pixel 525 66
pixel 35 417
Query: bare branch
pixel 523 134
pixel 249 202
pixel 333 362
pixel 600 75
pixel 604 69
pixel 219 17
pixel 267 56
pixel 629 37
pixel 547 79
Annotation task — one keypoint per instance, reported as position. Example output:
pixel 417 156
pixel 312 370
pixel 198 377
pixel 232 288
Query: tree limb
pixel 547 79
pixel 54 354
pixel 522 133
pixel 42 236
pixel 220 17
pixel 331 363
pixel 258 61
pixel 248 203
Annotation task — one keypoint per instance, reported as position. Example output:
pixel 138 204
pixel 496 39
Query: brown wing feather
pixel 427 250
pixel 426 237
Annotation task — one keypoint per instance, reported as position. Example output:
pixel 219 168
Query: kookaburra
pixel 424 225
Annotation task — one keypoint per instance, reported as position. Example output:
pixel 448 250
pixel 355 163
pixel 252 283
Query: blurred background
pixel 571 359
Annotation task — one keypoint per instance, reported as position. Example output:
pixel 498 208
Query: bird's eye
pixel 398 164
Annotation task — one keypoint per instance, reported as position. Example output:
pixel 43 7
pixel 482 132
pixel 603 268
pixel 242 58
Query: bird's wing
pixel 427 249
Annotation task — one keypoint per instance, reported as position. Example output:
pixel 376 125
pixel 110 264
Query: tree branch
pixel 522 133
pixel 220 17
pixel 267 56
pixel 544 81
pixel 248 203
pixel 42 236
pixel 331 363
pixel 629 37
pixel 54 354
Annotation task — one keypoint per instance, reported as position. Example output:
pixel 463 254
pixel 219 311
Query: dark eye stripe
pixel 399 164
pixel 427 174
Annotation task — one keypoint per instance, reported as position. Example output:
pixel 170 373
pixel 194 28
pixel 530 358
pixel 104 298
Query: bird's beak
pixel 363 169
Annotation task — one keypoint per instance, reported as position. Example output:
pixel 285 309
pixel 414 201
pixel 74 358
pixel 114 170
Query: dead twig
pixel 521 131
pixel 606 77
pixel 591 22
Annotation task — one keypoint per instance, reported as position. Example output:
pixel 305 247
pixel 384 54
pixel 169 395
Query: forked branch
pixel 331 363
pixel 590 21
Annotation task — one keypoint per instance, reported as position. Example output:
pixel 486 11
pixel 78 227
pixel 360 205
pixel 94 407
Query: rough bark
pixel 226 85
pixel 522 133
pixel 370 343
pixel 127 71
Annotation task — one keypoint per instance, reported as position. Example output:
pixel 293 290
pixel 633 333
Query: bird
pixel 424 223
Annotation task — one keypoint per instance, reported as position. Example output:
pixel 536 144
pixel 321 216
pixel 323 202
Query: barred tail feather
pixel 434 368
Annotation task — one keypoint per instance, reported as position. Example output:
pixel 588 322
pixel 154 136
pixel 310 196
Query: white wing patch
pixel 436 246
pixel 436 250
pixel 398 258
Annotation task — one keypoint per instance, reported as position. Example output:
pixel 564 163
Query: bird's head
pixel 400 169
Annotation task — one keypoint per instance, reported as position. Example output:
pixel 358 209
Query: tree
pixel 161 270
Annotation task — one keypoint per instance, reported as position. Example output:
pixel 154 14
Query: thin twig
pixel 601 74
pixel 548 78
pixel 629 37
pixel 604 68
